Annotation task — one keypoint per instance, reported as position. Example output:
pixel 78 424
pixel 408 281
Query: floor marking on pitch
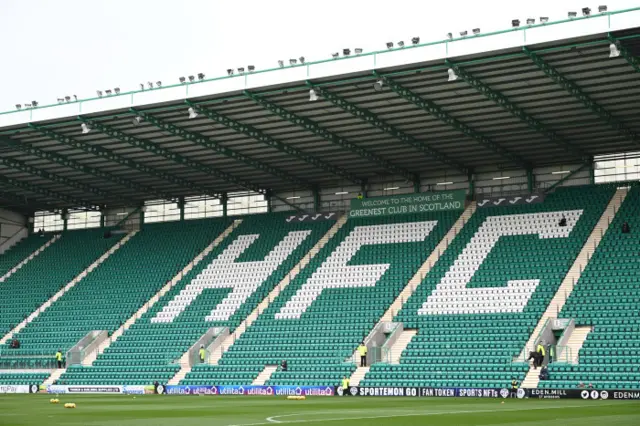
pixel 272 419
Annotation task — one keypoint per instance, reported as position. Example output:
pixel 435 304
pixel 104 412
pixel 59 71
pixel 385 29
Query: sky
pixel 54 48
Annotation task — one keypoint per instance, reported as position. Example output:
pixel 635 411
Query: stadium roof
pixel 555 101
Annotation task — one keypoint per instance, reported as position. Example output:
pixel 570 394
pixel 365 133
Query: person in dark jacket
pixel 283 365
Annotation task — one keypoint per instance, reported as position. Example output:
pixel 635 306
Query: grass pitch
pixel 172 410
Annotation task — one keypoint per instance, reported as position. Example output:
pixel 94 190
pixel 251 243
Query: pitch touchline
pixel 272 419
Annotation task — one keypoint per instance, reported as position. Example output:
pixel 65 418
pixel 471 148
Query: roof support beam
pixel 110 155
pixel 51 194
pixel 24 167
pixel 516 111
pixel 157 150
pixel 376 121
pixel 632 60
pixel 215 146
pixel 568 176
pixel 268 140
pixel 56 158
pixel 577 93
pixel 206 142
pixel 447 118
pixel 18 200
pixel 325 134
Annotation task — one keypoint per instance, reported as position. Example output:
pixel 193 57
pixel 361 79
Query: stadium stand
pixel 21 378
pixel 606 298
pixel 37 281
pixel 257 255
pixel 320 318
pixel 19 252
pixel 470 325
pixel 114 290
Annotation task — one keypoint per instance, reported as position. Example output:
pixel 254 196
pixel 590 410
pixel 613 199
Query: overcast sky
pixel 53 48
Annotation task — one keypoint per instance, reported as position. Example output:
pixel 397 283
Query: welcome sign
pixel 408 203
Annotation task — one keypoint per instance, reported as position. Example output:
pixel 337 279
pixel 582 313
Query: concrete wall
pixel 13 228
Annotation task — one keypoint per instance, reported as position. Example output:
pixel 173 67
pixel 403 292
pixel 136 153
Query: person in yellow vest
pixel 59 358
pixel 360 196
pixel 362 350
pixel 541 353
pixel 201 352
pixel 345 386
pixel 514 387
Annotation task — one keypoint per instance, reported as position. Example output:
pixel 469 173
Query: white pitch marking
pixel 415 414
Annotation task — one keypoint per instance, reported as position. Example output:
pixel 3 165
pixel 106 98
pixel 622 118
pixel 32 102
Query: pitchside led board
pixel 396 205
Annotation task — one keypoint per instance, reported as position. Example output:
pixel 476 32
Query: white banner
pixel 14 388
pixel 139 390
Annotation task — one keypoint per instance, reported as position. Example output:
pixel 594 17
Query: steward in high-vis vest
pixel 201 353
pixel 514 387
pixel 59 358
pixel 541 353
pixel 362 350
pixel 345 386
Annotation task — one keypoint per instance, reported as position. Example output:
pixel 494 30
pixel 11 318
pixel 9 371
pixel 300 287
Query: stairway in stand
pixel 265 375
pixel 576 340
pixel 358 375
pixel 54 376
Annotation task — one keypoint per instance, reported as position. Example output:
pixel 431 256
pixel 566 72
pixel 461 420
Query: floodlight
pixel 117 90
pixel 358 50
pixel 614 52
pixel 18 106
pixel 281 63
pixel 293 61
pixel 99 92
pixel 531 21
pixel 159 83
pixel 75 97
pixel 150 84
pixel 301 59
pixel 251 68
pixel 401 44
pixel 335 55
pixel 346 52
pixel 476 31
pixel 515 23
pixel 200 76
pixel 191 79
pixel 389 45
pixel 241 70
pixel 544 19
pixel 377 86
pixel 450 36
pixel 61 100
pixel 108 92
pixel 137 120
pixel 68 98
pixel 142 86
pixel 602 9
pixel 230 71
pixel 313 96
pixel 34 103
pixel 182 80
pixel 415 40
pixel 27 105
pixel 452 75
pixel 192 113
pixel 586 11
pixel 463 33
pixel 572 15
pixel 85 128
